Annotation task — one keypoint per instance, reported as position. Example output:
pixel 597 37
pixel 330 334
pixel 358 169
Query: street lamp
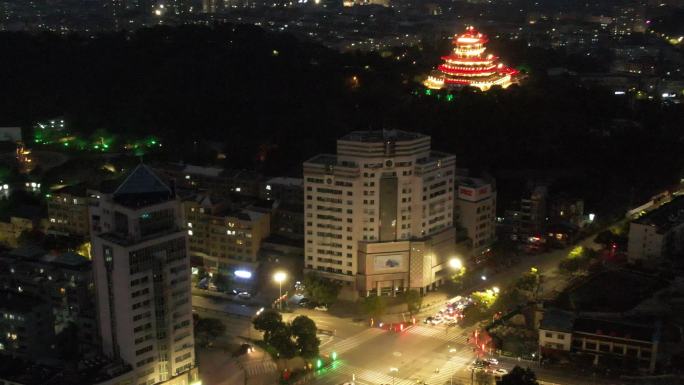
pixel 279 277
pixel 495 289
pixel 393 370
pixel 455 263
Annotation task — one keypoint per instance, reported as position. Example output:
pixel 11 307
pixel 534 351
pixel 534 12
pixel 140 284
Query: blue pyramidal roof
pixel 142 187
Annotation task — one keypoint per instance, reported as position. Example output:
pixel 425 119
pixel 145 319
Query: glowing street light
pixel 455 263
pixel 495 289
pixel 280 277
pixel 483 277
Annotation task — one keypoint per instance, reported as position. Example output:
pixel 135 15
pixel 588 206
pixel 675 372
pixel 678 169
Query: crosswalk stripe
pixel 256 368
pixel 451 367
pixel 449 336
pixel 371 376
pixel 353 341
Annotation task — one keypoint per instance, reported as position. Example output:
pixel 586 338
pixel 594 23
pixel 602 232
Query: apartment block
pixel 68 211
pixel 657 234
pixel 26 326
pixel 224 237
pixel 475 211
pixel 62 281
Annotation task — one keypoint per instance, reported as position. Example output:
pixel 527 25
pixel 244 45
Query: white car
pixel 437 321
pixel 492 361
pixel 321 308
pixel 244 295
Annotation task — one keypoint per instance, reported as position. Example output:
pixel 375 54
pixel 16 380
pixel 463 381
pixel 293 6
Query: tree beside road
pixel 374 306
pixel 414 301
pixel 519 376
pixel 288 340
pixel 320 289
pixel 207 329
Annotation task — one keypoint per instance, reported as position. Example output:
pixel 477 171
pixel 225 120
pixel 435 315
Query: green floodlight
pixel 319 363
pixel 334 355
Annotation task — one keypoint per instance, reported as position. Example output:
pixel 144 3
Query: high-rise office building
pixel 379 213
pixel 142 279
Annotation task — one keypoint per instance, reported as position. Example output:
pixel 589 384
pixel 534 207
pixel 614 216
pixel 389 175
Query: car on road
pixel 479 365
pixel 492 361
pixel 244 295
pixel 428 320
pixel 499 373
pixel 321 308
pixel 436 321
pixel 303 302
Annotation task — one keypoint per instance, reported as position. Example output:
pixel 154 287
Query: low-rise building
pixel 285 190
pixel 225 238
pixel 94 371
pixel 214 179
pixel 563 208
pixel 62 281
pixel 633 343
pixel 19 220
pixel 657 234
pixel 68 211
pixel 26 325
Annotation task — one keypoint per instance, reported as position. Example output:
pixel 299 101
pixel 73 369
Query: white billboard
pixel 388 262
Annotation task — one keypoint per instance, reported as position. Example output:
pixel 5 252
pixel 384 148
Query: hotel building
pixel 379 213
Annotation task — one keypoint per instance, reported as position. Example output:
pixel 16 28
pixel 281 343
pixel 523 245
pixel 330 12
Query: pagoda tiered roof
pixel 467 65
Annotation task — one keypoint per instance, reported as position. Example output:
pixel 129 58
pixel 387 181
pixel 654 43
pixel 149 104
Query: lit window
pixel 187 177
pixel 189 232
pixel 268 187
pixel 238 189
pixel 190 224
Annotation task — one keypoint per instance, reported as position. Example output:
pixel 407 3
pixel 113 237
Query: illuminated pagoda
pixel 467 65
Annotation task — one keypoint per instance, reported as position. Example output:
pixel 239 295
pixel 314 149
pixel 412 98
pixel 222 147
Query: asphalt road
pixel 421 353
